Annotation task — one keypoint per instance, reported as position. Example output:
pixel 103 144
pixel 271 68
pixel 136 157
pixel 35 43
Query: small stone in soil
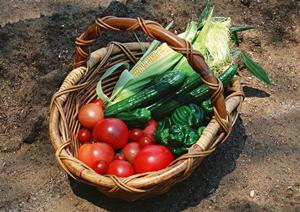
pixel 246 2
pixel 252 193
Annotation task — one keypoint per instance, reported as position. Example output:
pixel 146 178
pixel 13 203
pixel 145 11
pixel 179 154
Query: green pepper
pixel 200 130
pixel 177 151
pixel 198 114
pixel 178 137
pixel 207 107
pixel 165 123
pixel 182 135
pixel 138 117
pixel 190 115
pixel 162 136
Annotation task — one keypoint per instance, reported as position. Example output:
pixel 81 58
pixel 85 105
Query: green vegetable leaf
pixel 124 78
pixel 253 67
pixel 143 48
pixel 204 14
pixel 235 38
pixel 109 72
pixel 236 28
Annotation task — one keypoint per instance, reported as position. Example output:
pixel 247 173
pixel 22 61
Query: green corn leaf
pixel 143 48
pixel 235 38
pixel 236 28
pixel 253 67
pixel 109 72
pixel 204 14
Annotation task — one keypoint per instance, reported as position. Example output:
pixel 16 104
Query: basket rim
pixel 134 184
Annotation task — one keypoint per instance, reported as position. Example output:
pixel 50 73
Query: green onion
pixel 125 75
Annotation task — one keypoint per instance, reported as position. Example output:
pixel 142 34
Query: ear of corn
pixel 154 44
pixel 153 59
pixel 214 43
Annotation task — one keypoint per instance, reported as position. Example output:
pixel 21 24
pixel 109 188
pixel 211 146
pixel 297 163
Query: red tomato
pixel 146 140
pixel 153 158
pixel 86 142
pixel 89 115
pixel 112 131
pixel 135 134
pixel 120 168
pixel 150 127
pixel 99 102
pixel 131 150
pixel 100 167
pixel 120 156
pixel 84 135
pixel 89 154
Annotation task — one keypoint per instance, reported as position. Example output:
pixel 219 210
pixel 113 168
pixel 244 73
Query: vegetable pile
pixel 159 106
pixel 115 149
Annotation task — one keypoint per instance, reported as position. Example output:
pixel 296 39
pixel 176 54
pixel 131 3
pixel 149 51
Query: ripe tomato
pixel 120 156
pixel 112 131
pixel 150 127
pixel 84 135
pixel 120 168
pixel 100 167
pixel 99 102
pixel 89 154
pixel 135 134
pixel 153 158
pixel 131 150
pixel 146 140
pixel 89 115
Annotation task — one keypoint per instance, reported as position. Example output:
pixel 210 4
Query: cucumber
pixel 190 83
pixel 164 84
pixel 164 107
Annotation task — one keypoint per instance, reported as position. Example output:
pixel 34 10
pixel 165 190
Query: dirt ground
pixel 256 170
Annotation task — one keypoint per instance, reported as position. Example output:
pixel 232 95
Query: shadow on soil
pixel 254 92
pixel 203 182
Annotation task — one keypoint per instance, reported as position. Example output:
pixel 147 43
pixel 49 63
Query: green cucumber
pixel 190 83
pixel 163 108
pixel 164 84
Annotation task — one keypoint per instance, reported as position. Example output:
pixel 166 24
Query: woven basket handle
pixel 156 31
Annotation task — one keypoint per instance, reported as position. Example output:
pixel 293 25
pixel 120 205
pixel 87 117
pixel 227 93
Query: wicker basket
pixel 78 88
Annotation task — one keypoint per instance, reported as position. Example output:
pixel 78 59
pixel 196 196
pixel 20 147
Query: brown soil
pixel 261 157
